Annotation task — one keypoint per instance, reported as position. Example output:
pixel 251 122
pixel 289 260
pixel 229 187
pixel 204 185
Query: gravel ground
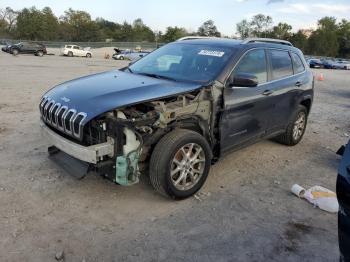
pixel 245 211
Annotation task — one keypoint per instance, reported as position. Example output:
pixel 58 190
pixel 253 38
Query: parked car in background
pixel 328 64
pixel 75 50
pixel 178 110
pixel 27 48
pixel 343 194
pixel 129 55
pixel 315 63
pixel 342 64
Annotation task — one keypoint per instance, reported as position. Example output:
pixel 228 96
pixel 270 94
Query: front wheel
pixel 180 164
pixel 88 55
pixel 40 53
pixel 295 129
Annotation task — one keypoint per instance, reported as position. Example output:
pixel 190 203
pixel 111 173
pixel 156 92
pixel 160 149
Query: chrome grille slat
pixel 63 109
pixel 79 124
pixel 65 119
pixel 50 106
pixel 69 115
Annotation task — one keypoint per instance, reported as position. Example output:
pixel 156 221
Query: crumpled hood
pixel 102 92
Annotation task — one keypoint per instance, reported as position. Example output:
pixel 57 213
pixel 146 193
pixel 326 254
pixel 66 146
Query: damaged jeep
pixel 175 112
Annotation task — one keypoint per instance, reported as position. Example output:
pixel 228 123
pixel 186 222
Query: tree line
pixel 74 25
pixel 331 38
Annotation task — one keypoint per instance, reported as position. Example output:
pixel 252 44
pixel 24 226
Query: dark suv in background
pixel 28 48
pixel 343 194
pixel 178 110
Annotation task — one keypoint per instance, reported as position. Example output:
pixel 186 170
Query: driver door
pixel 246 109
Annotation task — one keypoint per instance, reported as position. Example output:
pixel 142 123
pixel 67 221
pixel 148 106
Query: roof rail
pixel 267 40
pixel 194 37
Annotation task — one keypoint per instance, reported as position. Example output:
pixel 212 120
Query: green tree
pixel 8 19
pixel 29 23
pixel 141 32
pixel 324 41
pixel 258 26
pixel 299 40
pixel 173 33
pixel 49 25
pixel 281 31
pixel 261 25
pixel 343 34
pixel 78 26
pixel 244 29
pixel 208 29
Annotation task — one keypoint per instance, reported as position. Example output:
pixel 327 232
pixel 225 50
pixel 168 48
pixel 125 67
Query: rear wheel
pixel 121 58
pixel 295 129
pixel 40 53
pixel 70 53
pixel 15 52
pixel 180 164
pixel 88 55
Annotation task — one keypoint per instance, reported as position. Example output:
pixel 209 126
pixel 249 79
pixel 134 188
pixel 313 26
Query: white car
pixel 342 64
pixel 75 50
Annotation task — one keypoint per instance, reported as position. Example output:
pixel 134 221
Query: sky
pixel 190 14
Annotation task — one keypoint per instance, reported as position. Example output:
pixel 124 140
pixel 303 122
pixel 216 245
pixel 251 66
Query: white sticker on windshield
pixel 211 53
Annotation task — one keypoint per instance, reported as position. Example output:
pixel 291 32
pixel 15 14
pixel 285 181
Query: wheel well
pixel 307 104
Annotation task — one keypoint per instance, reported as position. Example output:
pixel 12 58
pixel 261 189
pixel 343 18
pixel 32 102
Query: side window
pixel 297 64
pixel 281 64
pixel 75 47
pixel 254 62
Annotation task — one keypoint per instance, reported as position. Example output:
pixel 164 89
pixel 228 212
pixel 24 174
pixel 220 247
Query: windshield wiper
pixel 158 76
pixel 129 69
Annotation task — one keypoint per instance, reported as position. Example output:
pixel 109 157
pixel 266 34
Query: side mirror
pixel 244 80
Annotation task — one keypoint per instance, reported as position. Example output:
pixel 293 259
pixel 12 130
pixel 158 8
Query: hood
pixel 100 93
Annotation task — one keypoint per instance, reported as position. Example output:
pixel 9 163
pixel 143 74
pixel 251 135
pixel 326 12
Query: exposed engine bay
pixel 136 129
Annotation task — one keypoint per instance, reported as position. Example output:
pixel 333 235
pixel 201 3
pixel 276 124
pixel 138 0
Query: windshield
pixel 186 62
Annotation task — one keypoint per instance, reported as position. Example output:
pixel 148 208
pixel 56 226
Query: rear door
pixel 246 109
pixel 286 82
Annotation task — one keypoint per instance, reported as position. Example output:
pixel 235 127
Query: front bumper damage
pixel 89 154
pixel 78 160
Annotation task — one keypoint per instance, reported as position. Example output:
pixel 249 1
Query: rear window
pixel 297 63
pixel 281 64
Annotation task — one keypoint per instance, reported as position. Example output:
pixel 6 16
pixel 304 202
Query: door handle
pixel 298 84
pixel 267 92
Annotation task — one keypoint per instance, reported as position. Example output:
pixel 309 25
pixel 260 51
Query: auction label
pixel 211 53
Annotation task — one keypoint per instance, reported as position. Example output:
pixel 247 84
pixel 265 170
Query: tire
pixel 40 53
pixel 290 138
pixel 15 52
pixel 88 55
pixel 165 157
pixel 70 54
pixel 121 58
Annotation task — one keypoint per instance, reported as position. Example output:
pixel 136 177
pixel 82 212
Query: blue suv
pixel 179 109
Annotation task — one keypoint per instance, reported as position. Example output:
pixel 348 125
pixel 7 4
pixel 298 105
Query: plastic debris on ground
pixel 319 196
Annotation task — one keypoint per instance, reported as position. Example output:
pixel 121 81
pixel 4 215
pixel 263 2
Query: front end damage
pixel 118 144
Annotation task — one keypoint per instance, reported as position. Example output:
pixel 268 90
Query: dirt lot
pixel 245 211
